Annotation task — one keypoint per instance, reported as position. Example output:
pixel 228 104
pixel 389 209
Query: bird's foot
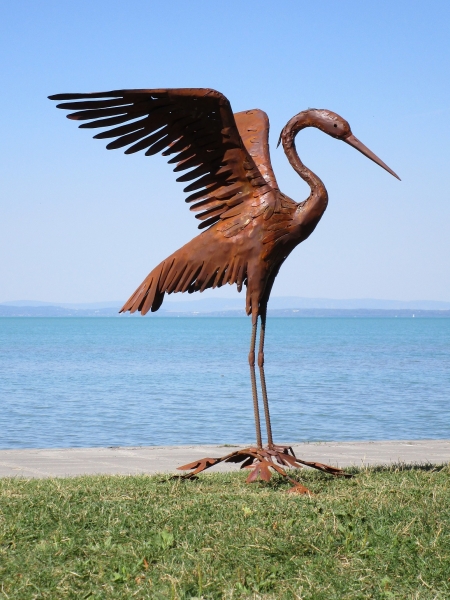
pixel 260 461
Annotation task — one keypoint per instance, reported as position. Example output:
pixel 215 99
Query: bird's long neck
pixel 317 201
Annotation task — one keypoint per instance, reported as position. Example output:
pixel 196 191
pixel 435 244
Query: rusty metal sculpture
pixel 250 226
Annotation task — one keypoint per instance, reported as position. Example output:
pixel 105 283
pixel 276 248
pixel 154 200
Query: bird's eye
pixel 335 125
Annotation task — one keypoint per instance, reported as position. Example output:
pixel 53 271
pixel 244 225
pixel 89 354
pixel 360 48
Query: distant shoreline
pixel 112 312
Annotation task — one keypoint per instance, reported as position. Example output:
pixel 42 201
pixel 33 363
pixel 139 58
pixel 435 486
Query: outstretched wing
pixel 199 128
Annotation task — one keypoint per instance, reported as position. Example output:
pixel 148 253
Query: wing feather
pixel 253 126
pixel 227 155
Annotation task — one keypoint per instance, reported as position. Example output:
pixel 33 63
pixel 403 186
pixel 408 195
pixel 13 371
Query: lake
pixel 67 382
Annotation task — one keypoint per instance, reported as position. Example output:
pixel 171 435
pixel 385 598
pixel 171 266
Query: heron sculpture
pixel 250 226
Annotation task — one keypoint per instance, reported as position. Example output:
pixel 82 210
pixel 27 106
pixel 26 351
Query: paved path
pixel 165 459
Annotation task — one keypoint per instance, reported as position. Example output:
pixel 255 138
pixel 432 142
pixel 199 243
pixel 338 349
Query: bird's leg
pixel 262 376
pixel 251 362
pixel 258 459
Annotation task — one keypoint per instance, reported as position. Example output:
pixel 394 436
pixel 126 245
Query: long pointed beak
pixel 353 141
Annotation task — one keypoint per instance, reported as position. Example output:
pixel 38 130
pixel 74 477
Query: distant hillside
pixel 198 303
pixel 54 311
pixel 294 302
pixel 60 311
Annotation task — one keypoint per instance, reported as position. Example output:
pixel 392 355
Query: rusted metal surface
pixel 250 226
pixel 260 461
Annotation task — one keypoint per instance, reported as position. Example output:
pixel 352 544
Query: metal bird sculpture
pixel 250 226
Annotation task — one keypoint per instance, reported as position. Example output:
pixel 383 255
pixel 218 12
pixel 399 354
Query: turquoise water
pixel 108 382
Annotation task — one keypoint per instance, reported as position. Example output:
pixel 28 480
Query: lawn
pixel 383 534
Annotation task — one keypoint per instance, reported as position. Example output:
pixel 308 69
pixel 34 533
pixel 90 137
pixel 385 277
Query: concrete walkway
pixel 69 462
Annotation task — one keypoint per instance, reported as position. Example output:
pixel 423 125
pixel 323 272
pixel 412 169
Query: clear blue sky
pixel 81 224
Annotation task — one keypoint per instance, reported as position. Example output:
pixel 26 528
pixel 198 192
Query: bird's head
pixel 329 122
pixel 332 124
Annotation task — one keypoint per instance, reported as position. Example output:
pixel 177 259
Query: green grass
pixel 383 534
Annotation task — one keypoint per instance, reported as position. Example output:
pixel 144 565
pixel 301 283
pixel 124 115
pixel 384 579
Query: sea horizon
pixel 279 306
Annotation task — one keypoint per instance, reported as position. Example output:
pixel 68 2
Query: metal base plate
pixel 260 461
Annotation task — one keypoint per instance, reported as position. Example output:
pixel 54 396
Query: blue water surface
pixel 118 381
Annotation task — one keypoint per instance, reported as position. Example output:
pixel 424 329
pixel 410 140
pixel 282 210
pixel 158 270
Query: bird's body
pixel 250 225
pixel 249 246
pixel 252 256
